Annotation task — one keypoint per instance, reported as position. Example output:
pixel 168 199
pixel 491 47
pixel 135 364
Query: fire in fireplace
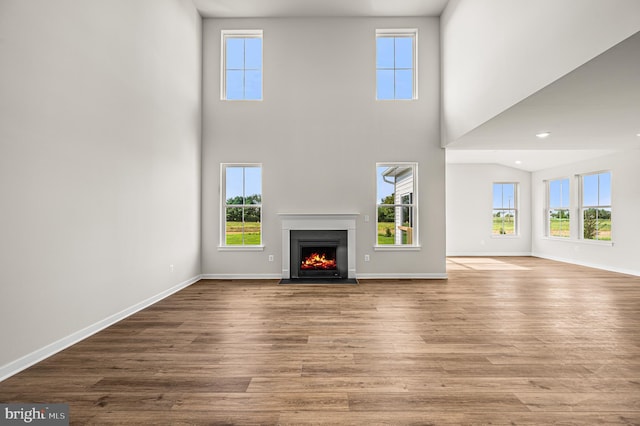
pixel 318 259
pixel 318 254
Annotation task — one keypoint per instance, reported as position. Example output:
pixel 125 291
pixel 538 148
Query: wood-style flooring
pixel 504 341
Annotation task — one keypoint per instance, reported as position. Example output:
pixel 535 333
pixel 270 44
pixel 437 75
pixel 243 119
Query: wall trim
pixel 26 361
pixel 589 264
pixel 404 276
pixel 491 254
pixel 241 276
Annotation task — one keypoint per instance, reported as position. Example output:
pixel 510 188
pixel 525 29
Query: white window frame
pixel 224 35
pixel 402 32
pixel 398 205
pixel 223 210
pixel 516 210
pixel 584 207
pixel 550 207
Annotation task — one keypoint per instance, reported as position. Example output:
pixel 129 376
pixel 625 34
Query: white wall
pixel 498 52
pixel 99 163
pixel 318 133
pixel 470 211
pixel 624 254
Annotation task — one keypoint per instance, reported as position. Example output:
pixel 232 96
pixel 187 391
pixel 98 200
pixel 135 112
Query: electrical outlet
pixel 366 258
pixel 170 268
pixel 366 218
pixel 270 258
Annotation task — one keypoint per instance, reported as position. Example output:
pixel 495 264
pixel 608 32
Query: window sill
pixel 391 247
pixel 241 100
pixel 581 241
pixel 241 248
pixel 508 237
pixel 565 239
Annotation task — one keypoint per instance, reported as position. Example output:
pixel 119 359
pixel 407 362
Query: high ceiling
pixel 592 111
pixel 295 8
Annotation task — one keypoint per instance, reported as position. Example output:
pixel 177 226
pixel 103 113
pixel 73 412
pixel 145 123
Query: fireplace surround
pixel 345 222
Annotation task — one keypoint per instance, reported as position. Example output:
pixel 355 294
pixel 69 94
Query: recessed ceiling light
pixel 543 135
pixel 518 162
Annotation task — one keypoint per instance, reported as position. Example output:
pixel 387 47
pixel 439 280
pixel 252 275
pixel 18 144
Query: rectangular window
pixel 596 206
pixel 241 65
pixel 242 204
pixel 558 208
pixel 397 204
pixel 396 58
pixel 505 209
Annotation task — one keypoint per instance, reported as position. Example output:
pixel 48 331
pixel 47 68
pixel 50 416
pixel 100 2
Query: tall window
pixel 558 208
pixel 396 64
pixel 505 209
pixel 241 65
pixel 396 206
pixel 242 204
pixel 596 206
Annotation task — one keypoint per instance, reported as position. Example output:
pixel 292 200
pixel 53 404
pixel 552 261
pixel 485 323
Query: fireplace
pixel 345 258
pixel 318 254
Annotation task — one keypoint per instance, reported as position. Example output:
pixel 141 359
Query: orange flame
pixel 318 261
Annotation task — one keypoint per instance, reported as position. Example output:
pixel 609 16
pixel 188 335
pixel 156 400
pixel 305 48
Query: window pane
pixel 384 84
pixel 559 223
pixel 589 224
pixel 504 195
pixel 234 226
pixel 497 196
pixel 508 195
pixel 597 224
pixel 253 190
pixel 252 226
pixel 235 84
pixel 386 225
pixel 565 192
pixel 504 222
pixel 234 53
pixel 384 52
pixel 555 191
pixel 590 190
pixel 404 84
pixel 233 191
pixel 386 186
pixel 603 224
pixel 559 193
pixel 253 53
pixel 404 52
pixel 253 85
pixel 605 189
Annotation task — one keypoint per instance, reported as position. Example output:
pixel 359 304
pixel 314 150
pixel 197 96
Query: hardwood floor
pixel 503 341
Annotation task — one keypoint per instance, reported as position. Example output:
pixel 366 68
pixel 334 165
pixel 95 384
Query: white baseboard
pixel 403 276
pixel 489 254
pixel 36 356
pixel 590 265
pixel 241 276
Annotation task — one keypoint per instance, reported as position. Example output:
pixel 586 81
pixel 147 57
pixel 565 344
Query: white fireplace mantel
pixel 318 221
